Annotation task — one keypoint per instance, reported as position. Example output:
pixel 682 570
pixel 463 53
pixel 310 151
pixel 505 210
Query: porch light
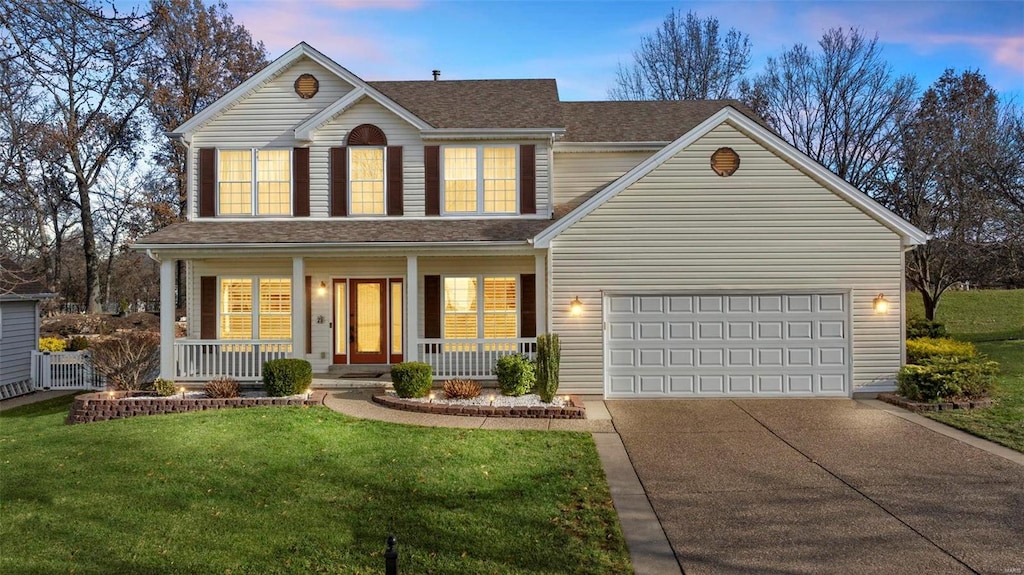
pixel 880 304
pixel 322 290
pixel 576 307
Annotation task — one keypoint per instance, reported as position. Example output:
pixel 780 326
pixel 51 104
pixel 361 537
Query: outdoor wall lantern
pixel 322 290
pixel 880 304
pixel 576 307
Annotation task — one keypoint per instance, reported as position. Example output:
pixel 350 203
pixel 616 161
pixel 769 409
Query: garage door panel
pixel 683 345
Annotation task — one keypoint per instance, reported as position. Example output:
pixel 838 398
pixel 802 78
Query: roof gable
pixel 766 138
pixel 276 68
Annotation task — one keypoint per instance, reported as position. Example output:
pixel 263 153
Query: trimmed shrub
pixel 516 374
pixel 283 377
pixel 412 378
pixel 461 389
pixel 918 350
pixel 52 344
pixel 222 387
pixel 163 387
pixel 128 361
pixel 918 327
pixel 549 355
pixel 947 378
pixel 78 343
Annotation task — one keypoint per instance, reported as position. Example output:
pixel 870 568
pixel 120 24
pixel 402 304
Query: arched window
pixel 367 157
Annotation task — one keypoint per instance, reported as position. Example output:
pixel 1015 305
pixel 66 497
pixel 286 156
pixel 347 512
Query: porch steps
pixel 332 381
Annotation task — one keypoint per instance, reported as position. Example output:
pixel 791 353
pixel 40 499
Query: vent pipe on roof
pixel 436 73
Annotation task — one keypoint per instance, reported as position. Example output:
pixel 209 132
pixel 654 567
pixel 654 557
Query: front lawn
pixel 297 490
pixel 994 320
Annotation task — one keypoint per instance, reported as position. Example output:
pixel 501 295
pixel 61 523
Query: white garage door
pixel 750 345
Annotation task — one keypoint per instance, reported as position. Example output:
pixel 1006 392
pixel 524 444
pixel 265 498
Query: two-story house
pixel 678 248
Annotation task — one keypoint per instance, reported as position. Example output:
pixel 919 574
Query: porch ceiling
pixel 341 233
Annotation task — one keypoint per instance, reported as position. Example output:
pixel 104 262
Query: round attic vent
pixel 306 86
pixel 725 161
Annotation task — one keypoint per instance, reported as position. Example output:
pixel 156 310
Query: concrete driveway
pixel 820 486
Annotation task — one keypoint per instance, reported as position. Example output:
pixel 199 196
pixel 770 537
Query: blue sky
pixel 580 43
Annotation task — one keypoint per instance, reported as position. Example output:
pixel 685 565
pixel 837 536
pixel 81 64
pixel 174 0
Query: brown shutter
pixel 394 169
pixel 528 305
pixel 208 307
pixel 207 182
pixel 339 182
pixel 528 179
pixel 300 179
pixel 432 179
pixel 432 307
pixel 309 314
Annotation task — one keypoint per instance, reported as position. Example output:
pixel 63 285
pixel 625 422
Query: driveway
pixel 820 486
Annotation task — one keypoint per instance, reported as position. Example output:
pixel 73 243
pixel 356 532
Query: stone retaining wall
pixel 575 411
pixel 103 406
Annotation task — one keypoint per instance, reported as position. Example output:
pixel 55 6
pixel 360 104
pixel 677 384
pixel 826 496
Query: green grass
pixel 994 320
pixel 296 490
pixel 977 315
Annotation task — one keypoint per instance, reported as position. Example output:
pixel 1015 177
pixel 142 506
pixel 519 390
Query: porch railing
pixel 471 358
pixel 205 359
pixel 64 370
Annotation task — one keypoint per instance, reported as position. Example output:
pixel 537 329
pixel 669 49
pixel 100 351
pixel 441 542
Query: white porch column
pixel 410 323
pixel 167 311
pixel 541 272
pixel 298 307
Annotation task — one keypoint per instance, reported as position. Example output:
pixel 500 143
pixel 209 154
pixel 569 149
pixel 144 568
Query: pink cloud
pixel 1005 51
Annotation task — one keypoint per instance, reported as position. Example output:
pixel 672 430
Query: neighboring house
pixel 19 328
pixel 351 222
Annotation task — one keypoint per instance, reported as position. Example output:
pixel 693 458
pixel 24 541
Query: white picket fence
pixel 204 359
pixel 64 370
pixel 471 358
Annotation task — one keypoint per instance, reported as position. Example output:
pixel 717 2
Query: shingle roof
pixel 478 103
pixel 633 121
pixel 340 232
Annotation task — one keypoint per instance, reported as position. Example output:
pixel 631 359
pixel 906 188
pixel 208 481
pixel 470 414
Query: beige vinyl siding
pixel 578 175
pixel 769 227
pixel 398 132
pixel 543 171
pixel 266 117
pixel 17 340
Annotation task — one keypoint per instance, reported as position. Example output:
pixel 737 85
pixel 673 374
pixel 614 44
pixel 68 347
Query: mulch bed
pixel 574 410
pixel 905 403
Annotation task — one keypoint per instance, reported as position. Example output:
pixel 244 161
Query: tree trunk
pixel 92 276
pixel 929 304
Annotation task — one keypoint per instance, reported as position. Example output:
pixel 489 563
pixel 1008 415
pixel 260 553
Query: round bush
pixel 516 375
pixel 412 378
pixel 283 377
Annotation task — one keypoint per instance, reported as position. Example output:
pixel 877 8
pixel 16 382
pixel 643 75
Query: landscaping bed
pixel 107 405
pixel 934 406
pixel 533 409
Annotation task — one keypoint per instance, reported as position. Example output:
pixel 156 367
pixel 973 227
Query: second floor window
pixel 366 169
pixel 254 182
pixel 479 179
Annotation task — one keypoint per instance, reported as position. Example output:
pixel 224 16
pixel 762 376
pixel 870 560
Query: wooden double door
pixel 368 321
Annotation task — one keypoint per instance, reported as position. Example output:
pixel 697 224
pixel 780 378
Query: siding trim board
pixel 910 234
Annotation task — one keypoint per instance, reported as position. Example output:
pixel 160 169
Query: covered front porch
pixel 458 310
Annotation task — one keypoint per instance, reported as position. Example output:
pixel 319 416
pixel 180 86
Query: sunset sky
pixel 581 43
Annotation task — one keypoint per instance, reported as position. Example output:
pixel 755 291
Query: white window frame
pixel 480 303
pixel 480 181
pixel 254 183
pixel 255 294
pixel 348 184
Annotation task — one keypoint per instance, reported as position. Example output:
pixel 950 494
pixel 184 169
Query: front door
pixel 367 321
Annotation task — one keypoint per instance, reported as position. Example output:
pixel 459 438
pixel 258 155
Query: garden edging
pixel 103 406
pixel 530 412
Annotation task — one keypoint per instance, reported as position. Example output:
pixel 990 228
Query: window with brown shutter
pixel 528 305
pixel 207 182
pixel 339 182
pixel 208 307
pixel 528 179
pixel 300 177
pixel 432 307
pixel 394 169
pixel 432 179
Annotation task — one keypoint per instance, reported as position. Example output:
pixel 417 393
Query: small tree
pixel 128 361
pixel 549 354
